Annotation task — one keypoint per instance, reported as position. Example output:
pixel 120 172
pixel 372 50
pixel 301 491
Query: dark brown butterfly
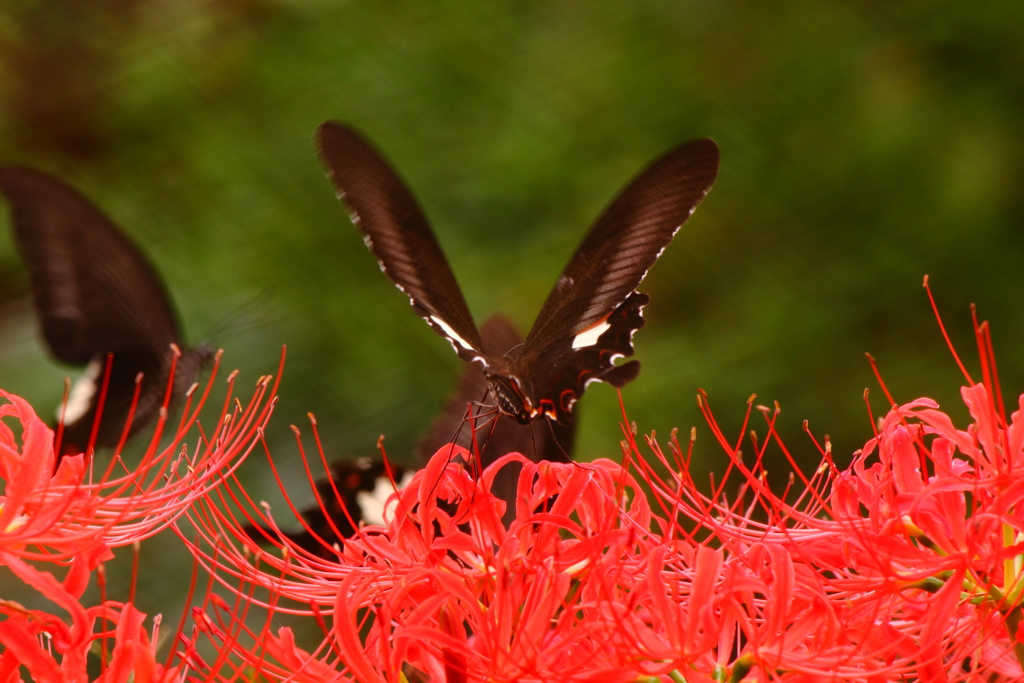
pixel 589 318
pixel 95 294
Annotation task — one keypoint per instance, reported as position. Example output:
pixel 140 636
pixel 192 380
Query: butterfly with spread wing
pixel 588 320
pixel 95 294
pixel 585 325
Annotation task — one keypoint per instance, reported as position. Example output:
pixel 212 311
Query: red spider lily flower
pixel 908 562
pixel 844 579
pixel 586 584
pixel 906 565
pixel 943 510
pixel 63 517
pixel 457 594
pixel 55 652
pixel 446 591
pixel 56 516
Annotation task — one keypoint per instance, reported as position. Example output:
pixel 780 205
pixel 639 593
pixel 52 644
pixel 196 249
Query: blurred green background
pixel 864 145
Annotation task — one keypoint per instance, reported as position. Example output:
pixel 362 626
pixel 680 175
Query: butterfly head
pixel 513 398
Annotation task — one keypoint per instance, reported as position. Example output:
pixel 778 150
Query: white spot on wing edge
pixel 455 338
pixel 377 505
pixel 588 337
pixel 82 392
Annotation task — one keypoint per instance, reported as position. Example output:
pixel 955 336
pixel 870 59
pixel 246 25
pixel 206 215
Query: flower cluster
pixel 55 519
pixel 906 565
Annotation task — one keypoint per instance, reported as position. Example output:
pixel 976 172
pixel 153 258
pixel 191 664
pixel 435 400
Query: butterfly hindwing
pixel 343 497
pixel 560 378
pixel 398 234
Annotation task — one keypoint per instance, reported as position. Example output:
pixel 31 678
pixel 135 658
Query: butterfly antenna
pixel 554 438
pixel 235 320
pixel 508 354
pixel 467 417
pixel 490 415
pixel 476 454
pixel 493 420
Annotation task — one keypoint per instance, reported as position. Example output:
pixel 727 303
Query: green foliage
pixel 863 146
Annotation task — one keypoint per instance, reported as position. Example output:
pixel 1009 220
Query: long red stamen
pixel 94 432
pixel 945 335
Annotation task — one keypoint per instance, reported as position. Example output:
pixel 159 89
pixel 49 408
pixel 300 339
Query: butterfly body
pixel 496 435
pixel 568 371
pixel 588 319
pixel 344 498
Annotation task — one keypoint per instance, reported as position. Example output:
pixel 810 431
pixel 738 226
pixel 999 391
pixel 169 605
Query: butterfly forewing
pixel 590 316
pixel 93 289
pixel 624 243
pixel 95 294
pixel 398 234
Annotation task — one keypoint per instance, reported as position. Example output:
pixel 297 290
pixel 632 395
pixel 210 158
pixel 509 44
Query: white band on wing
pixel 451 334
pixel 589 336
pixel 82 392
pixel 378 506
